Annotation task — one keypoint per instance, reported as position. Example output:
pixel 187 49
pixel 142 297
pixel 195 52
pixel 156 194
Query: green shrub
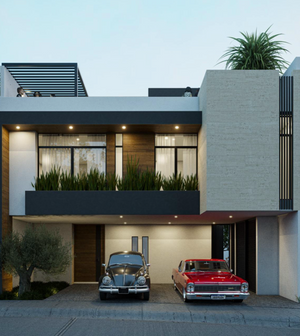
pixel 191 182
pixel 173 182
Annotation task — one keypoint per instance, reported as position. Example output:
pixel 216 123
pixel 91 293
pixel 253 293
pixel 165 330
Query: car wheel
pixel 103 296
pixel 174 286
pixel 185 299
pixel 146 296
pixel 239 301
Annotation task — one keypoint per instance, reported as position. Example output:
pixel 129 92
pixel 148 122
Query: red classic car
pixel 208 279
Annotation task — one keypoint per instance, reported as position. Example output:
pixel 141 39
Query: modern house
pixel 240 133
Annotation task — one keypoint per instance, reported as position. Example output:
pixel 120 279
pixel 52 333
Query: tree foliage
pixel 36 249
pixel 255 52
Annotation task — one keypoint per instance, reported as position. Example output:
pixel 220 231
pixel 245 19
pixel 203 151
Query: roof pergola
pixel 61 79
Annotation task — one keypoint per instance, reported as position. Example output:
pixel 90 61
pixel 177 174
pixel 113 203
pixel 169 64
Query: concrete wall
pixel 91 104
pixel 22 169
pixel 8 84
pixel 289 256
pixel 267 254
pixel 239 139
pixel 296 140
pixel 168 244
pixel 66 230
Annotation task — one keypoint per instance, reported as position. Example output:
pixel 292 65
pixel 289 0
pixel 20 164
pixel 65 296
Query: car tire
pixel 103 296
pixel 185 299
pixel 146 296
pixel 174 286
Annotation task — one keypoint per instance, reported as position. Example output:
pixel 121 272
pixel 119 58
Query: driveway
pixel 165 294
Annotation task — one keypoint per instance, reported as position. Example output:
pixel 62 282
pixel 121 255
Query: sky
pixel 124 47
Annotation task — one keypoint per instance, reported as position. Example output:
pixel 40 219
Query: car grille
pixel 217 288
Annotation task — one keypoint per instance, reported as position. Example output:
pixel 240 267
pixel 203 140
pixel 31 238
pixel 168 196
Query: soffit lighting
pixel 125 222
pixel 18 127
pixel 121 216
pixel 214 222
pixel 176 127
pixel 124 127
pixel 230 216
pixel 175 216
pixel 169 223
pixel 70 127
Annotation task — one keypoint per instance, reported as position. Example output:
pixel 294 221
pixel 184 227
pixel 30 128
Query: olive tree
pixel 37 248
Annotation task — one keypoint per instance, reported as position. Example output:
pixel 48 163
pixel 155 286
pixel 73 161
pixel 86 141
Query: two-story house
pixel 238 133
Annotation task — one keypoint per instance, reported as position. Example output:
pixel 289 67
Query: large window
pixel 176 154
pixel 76 153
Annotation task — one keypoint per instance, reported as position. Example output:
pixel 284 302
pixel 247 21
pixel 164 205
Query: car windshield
pixel 206 266
pixel 125 259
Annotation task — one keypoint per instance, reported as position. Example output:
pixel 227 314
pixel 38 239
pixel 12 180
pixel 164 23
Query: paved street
pixel 78 311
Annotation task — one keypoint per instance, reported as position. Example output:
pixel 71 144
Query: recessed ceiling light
pixel 230 216
pixel 175 216
pixel 166 138
pixel 125 222
pixel 169 223
pixel 173 139
pixel 124 127
pixel 77 139
pixel 121 216
pixel 71 127
pixel 176 127
pixel 18 127
pixel 214 222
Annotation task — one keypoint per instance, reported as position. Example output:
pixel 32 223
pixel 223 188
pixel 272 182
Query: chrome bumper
pixel 217 296
pixel 131 290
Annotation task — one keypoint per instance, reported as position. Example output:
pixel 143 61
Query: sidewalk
pixel 259 311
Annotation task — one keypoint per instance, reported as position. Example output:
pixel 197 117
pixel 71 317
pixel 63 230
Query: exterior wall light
pixel 166 138
pixel 70 127
pixel 18 127
pixel 124 127
pixel 176 127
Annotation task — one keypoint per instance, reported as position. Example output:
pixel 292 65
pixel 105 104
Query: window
pixel 135 243
pixel 176 153
pixel 145 248
pixel 119 155
pixel 76 153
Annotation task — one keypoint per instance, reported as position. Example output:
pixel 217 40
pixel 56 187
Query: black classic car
pixel 126 273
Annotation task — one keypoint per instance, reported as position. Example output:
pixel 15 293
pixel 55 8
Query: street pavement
pixel 78 306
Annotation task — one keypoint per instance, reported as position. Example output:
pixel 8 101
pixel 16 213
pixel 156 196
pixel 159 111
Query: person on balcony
pixel 37 94
pixel 21 92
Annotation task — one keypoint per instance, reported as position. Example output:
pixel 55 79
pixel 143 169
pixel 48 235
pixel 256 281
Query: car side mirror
pixel 103 265
pixel 148 265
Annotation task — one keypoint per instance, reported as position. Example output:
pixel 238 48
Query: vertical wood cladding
pixel 110 152
pixel 6 220
pixel 89 252
pixel 140 146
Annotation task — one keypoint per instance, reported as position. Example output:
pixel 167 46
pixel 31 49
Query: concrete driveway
pixel 165 294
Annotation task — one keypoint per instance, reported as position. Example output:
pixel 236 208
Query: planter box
pixel 112 202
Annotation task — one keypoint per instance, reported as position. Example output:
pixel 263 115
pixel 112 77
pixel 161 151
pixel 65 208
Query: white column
pixel 267 256
pixel 22 169
pixel 289 256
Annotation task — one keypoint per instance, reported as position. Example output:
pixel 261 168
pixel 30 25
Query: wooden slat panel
pixel 6 219
pixel 85 253
pixel 110 152
pixel 141 146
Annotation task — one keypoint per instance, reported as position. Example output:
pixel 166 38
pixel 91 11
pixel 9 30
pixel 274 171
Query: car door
pixel 178 276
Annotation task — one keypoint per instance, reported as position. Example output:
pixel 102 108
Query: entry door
pixel 88 252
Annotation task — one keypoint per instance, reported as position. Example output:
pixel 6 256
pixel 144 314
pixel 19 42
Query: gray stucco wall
pixel 239 140
pixel 296 139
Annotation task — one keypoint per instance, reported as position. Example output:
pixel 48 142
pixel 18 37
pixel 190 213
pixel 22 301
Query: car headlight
pixel 141 280
pixel 106 280
pixel 245 287
pixel 190 287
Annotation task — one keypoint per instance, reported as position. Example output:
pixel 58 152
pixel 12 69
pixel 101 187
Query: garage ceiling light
pixel 18 127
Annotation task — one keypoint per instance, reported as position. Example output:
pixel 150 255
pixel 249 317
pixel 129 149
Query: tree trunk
pixel 24 285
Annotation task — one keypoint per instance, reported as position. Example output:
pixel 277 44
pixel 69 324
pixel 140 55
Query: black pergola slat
pixel 61 79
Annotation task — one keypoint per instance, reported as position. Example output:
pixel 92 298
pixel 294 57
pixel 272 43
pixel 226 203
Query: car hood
pixel 213 277
pixel 124 275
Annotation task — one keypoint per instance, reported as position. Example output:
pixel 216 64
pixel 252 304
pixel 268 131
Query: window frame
pixel 176 153
pixel 72 151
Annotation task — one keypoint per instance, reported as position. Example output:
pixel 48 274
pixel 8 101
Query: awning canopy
pixel 60 79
